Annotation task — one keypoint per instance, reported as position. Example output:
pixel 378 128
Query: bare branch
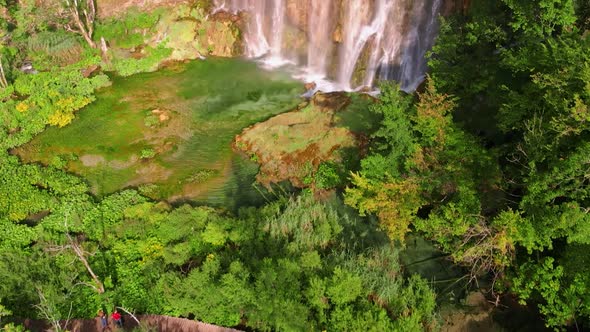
pixel 46 310
pixel 69 315
pixel 57 248
pixel 82 257
pixel 85 24
pixel 69 29
pixel 90 16
pixel 87 284
pixel 130 314
pixel 3 82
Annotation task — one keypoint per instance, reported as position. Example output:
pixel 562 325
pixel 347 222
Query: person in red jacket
pixel 116 317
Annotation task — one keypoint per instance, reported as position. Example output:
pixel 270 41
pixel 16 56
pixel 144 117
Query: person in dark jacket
pixel 104 323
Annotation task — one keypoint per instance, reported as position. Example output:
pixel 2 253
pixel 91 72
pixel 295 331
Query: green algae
pixel 186 114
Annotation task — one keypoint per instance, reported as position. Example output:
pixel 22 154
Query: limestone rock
pixel 87 72
pixel 297 13
pixel 310 86
pixel 109 8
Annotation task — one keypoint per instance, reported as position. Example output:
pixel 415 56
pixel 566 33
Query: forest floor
pixel 475 316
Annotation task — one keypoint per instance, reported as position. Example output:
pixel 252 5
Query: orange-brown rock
pixel 87 72
pixel 310 86
pixel 297 13
pixel 108 8
pixel 450 7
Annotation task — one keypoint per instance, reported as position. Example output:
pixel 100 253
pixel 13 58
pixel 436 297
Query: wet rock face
pixel 451 7
pixel 361 67
pixel 189 30
pixel 297 13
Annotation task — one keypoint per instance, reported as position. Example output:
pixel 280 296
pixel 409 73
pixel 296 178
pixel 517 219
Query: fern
pixel 50 48
pixel 52 43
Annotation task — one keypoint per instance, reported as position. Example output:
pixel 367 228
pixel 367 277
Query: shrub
pixel 58 162
pixel 128 67
pixel 151 120
pixel 147 153
pixel 329 175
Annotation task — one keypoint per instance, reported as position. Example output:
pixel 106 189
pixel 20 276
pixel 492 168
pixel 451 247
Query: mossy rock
pixel 181 38
pixel 189 32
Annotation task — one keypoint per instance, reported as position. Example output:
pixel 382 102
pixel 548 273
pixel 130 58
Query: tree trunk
pixel 80 254
pixel 3 82
pixel 84 27
pixel 89 40
pixel 83 31
pixel 104 50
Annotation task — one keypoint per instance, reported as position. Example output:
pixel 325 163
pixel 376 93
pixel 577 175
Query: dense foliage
pixel 489 161
pixel 294 264
pixel 520 71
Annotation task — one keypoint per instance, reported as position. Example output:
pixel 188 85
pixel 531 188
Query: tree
pixel 81 254
pixel 4 41
pixel 583 14
pixel 80 19
pixel 527 72
pixel 3 81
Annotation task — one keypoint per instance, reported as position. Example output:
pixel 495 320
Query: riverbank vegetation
pixel 488 161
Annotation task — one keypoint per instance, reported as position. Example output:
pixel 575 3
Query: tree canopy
pixel 489 160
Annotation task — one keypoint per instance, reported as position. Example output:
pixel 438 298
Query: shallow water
pixel 187 114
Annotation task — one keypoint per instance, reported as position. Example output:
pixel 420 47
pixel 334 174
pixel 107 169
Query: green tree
pixel 528 73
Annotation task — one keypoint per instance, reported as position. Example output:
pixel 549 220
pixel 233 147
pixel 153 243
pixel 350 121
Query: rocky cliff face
pixel 185 26
pixel 455 7
pixel 109 8
pixel 220 36
pixel 337 48
pixel 191 33
pixel 297 13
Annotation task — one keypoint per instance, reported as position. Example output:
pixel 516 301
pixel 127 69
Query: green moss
pixel 130 66
pixel 209 102
pixel 183 40
pixel 130 30
pixel 356 116
pixel 136 44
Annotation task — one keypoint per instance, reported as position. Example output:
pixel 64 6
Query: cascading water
pixel 419 40
pixel 254 37
pixel 347 43
pixel 319 28
pixel 388 39
pixel 356 32
pixel 277 27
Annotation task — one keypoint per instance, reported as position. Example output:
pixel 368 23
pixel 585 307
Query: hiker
pixel 103 321
pixel 116 317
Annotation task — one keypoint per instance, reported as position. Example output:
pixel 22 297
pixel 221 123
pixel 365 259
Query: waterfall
pixel 254 37
pixel 356 33
pixel 418 41
pixel 388 39
pixel 319 27
pixel 278 25
pixel 349 43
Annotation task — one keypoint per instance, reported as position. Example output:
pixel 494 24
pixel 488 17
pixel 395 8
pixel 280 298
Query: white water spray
pixel 350 43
